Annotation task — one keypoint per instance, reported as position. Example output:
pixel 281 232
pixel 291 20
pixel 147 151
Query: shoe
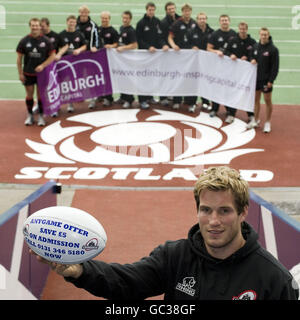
pixel 126 105
pixel 92 104
pixel 70 107
pixel 253 124
pixel 267 127
pixel 106 103
pixel 229 119
pixel 206 106
pixel 54 114
pixel 192 108
pixel 164 102
pixel 29 120
pixel 153 101
pixel 145 105
pixel 212 114
pixel 119 101
pixel 41 121
pixel 176 106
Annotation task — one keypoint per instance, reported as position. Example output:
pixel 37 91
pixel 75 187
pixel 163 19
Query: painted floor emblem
pixel 120 139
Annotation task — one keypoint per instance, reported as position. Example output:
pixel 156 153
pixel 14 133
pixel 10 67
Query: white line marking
pixel 269 232
pixel 18 244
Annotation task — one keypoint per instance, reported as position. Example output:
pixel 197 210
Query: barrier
pixel 278 232
pixel 21 275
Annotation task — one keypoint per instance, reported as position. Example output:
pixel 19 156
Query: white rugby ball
pixel 64 234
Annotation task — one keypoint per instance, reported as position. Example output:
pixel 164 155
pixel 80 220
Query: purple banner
pixel 73 79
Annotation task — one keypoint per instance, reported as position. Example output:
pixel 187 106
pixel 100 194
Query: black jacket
pixel 166 24
pixel 198 38
pixel 241 47
pixel 90 32
pixel 184 270
pixel 267 57
pixel 149 33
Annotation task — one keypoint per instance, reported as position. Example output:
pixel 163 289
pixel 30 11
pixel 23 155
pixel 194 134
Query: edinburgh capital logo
pixel 122 144
pixel 74 79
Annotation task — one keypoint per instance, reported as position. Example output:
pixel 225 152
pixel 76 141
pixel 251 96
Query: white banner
pixel 184 73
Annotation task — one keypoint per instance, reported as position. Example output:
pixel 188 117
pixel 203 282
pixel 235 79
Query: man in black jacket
pixel 178 39
pixel 220 260
pixel 241 47
pixel 88 28
pixel 127 41
pixel 218 43
pixel 198 38
pixel 149 36
pixel 266 55
pixel 166 23
pixel 108 38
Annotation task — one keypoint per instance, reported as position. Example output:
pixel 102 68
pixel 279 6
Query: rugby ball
pixel 64 234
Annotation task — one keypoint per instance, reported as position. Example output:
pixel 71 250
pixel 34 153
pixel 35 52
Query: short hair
pixel 84 7
pixel 128 13
pixel 34 20
pixel 186 6
pixel 169 3
pixel 71 17
pixel 105 13
pixel 243 24
pixel 221 179
pixel 150 4
pixel 264 29
pixel 224 16
pixel 201 14
pixel 46 20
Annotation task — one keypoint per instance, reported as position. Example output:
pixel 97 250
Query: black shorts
pixel 30 80
pixel 262 86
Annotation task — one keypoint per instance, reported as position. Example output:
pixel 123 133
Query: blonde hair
pixel 186 6
pixel 84 8
pixel 221 179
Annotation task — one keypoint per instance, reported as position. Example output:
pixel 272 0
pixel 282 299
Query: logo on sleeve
pixel 246 295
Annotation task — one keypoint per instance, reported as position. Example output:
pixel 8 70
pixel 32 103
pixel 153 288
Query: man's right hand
pixel 65 270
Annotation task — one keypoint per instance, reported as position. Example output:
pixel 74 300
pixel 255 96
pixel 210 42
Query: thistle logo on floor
pixel 116 144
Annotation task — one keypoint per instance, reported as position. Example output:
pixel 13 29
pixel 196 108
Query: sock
pixel 29 104
pixel 40 106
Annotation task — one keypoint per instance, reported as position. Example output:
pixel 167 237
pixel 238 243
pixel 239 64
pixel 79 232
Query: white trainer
pixel 253 124
pixel 229 119
pixel 192 108
pixel 29 120
pixel 176 106
pixel 41 121
pixel 267 127
pixel 70 107
pixel 92 104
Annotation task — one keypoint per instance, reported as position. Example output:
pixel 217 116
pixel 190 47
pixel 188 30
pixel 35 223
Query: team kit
pixel 42 46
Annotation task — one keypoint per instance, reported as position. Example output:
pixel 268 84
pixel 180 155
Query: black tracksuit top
pixel 149 33
pixel 183 270
pixel 267 57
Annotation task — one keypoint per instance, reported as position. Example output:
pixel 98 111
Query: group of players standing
pixel 42 46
